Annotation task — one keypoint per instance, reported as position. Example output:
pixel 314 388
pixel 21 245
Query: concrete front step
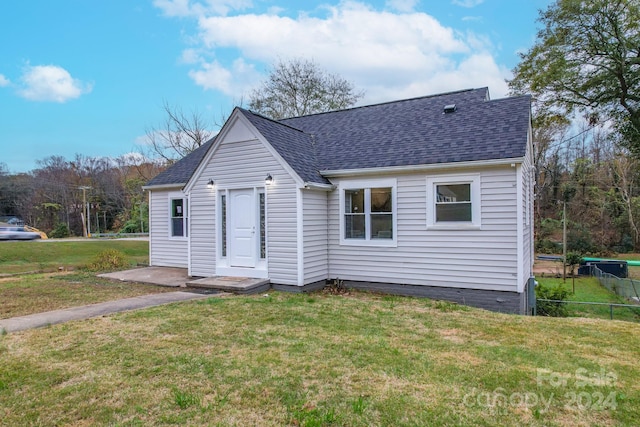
pixel 236 285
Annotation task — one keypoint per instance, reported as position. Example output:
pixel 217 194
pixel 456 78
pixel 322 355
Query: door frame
pixel 223 267
pixel 242 226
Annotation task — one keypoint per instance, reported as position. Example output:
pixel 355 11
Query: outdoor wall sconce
pixel 210 184
pixel 269 179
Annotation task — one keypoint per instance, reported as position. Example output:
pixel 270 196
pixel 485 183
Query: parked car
pixel 17 233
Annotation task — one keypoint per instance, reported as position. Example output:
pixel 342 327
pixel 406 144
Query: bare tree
pixel 300 87
pixel 178 135
pixel 625 169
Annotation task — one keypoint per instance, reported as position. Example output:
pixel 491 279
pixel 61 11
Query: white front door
pixel 242 228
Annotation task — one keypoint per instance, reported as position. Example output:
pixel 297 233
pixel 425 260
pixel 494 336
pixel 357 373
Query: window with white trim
pixel 368 213
pixel 453 201
pixel 179 219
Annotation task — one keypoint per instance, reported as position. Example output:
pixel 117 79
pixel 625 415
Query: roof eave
pixel 419 168
pixel 164 186
pixel 319 186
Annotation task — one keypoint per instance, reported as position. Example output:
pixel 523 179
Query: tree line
pixel 583 73
pixel 51 198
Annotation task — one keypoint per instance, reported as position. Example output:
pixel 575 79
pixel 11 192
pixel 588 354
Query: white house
pixel 429 196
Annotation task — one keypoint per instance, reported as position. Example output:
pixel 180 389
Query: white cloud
pixel 174 7
pixel 4 81
pixel 467 3
pixel 233 82
pixel 132 158
pixel 402 5
pixel 389 55
pixel 51 83
pixel 189 8
pixel 190 56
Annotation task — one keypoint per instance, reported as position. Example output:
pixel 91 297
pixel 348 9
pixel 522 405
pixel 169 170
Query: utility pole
pixel 86 219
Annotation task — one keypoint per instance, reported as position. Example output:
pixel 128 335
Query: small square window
pixel 453 202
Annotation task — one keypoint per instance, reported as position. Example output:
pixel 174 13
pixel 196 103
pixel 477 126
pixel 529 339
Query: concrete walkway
pixel 39 320
pixel 163 276
pixel 179 277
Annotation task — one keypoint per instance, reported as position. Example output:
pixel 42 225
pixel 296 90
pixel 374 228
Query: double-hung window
pixel 453 201
pixel 179 219
pixel 368 213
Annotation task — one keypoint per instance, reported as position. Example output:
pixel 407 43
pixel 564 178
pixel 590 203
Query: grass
pixel 35 293
pixel 32 293
pixel 321 360
pixel 589 289
pixel 43 256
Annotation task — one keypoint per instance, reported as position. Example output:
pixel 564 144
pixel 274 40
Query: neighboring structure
pixel 429 196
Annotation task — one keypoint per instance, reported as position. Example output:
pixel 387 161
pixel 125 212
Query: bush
pixel 580 239
pixel 549 227
pixel 625 245
pixel 552 309
pixel 110 259
pixel 131 226
pixel 61 231
pixel 547 246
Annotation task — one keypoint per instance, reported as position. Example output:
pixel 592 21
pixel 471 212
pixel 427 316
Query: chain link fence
pixel 599 310
pixel 627 309
pixel 626 288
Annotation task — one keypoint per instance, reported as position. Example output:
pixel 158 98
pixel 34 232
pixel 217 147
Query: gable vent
pixel 451 108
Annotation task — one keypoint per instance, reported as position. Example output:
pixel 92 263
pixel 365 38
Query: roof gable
pixel 297 148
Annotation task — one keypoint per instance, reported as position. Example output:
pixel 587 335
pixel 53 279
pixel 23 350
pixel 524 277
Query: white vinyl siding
pixel 528 177
pixel 467 258
pixel 164 251
pixel 316 266
pixel 282 243
pixel 245 164
pixel 202 228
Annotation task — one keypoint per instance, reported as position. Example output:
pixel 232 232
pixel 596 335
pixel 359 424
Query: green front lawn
pixel 20 257
pixel 589 289
pixel 36 293
pixel 22 294
pixel 314 360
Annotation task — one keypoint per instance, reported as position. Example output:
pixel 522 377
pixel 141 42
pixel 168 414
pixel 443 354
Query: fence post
pixel 611 311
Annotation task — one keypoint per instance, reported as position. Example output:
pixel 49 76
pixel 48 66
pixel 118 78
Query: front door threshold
pixel 236 285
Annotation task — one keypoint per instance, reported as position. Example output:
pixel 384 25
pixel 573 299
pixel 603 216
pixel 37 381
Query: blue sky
pixel 90 77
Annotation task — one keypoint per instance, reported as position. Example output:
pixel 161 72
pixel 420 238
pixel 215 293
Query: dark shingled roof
pixel 180 172
pixel 418 132
pixel 402 133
